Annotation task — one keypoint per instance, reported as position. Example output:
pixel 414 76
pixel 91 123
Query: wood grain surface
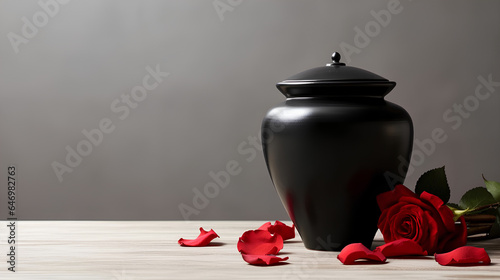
pixel 148 250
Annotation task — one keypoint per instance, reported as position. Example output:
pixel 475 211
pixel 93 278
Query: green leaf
pixel 493 187
pixel 475 198
pixel 434 181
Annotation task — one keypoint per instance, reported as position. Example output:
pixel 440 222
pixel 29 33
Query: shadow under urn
pixel 331 148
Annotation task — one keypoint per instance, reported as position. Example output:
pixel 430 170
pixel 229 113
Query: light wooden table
pixel 149 250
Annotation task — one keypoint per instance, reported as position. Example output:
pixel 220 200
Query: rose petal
pixel 262 259
pixel 401 247
pixel 464 255
pixel 280 228
pixel 260 242
pixel 202 240
pixel 356 251
pixel 266 226
pixel 444 211
pixel 456 239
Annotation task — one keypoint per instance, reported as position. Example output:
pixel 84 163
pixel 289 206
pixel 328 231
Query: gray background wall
pixel 78 61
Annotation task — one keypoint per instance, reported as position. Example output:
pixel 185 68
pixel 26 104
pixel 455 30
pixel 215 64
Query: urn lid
pixel 336 80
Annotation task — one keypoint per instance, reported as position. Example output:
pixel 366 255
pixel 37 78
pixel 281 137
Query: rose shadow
pixel 275 264
pixel 368 262
pixel 471 264
pixel 412 258
pixel 215 244
pixel 292 241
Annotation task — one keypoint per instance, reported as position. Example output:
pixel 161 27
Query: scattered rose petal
pixel 467 255
pixel 260 242
pixel 356 251
pixel 266 226
pixel 280 228
pixel 401 247
pixel 262 259
pixel 202 240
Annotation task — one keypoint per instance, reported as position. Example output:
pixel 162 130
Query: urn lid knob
pixel 336 60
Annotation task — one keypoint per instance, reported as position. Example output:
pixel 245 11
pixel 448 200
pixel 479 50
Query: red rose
pixel 425 220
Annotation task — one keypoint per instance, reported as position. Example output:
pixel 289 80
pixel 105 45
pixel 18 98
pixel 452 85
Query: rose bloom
pixel 425 220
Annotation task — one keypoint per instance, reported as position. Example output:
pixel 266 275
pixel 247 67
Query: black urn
pixel 331 148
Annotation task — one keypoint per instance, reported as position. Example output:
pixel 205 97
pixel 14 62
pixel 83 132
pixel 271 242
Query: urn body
pixel 330 150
